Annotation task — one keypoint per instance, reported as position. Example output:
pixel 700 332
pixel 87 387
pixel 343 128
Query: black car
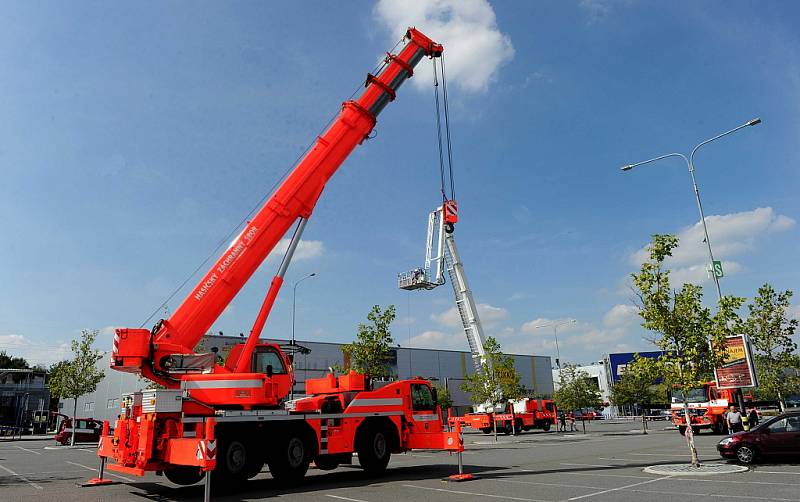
pixel 776 437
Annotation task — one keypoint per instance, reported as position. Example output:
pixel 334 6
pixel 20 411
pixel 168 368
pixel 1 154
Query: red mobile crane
pixel 234 417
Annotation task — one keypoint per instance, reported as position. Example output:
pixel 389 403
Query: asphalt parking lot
pixel 603 465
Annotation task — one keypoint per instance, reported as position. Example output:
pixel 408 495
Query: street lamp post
pixel 555 326
pixel 294 299
pixel 690 165
pixel 294 304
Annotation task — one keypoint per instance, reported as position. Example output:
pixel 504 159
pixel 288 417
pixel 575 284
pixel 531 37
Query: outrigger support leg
pixel 207 488
pixel 100 480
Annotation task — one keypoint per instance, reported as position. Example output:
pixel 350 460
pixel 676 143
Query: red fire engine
pixel 231 418
pixel 707 408
pixel 520 415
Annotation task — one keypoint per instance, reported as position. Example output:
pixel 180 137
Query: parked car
pixel 584 414
pixel 775 437
pixel 87 431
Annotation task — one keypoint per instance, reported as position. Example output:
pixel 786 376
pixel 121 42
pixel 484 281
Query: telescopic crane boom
pixel 165 354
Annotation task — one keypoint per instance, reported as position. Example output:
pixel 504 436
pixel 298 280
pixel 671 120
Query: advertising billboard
pixel 619 362
pixel 737 369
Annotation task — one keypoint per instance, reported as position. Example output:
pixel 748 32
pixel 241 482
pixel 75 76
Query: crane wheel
pixel 486 430
pixel 546 426
pixel 236 461
pixel 682 430
pixel 290 456
pixel 184 475
pixel 374 448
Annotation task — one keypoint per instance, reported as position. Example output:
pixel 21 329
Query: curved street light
pixel 555 325
pixel 294 299
pixel 690 165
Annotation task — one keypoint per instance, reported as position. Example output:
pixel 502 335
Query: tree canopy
pixel 496 379
pixel 11 362
pixel 575 389
pixel 370 352
pixel 770 330
pixel 692 339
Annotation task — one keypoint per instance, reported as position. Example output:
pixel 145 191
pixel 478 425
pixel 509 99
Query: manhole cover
pixel 689 470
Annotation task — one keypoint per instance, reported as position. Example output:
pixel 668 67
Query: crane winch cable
pixel 227 238
pixel 446 107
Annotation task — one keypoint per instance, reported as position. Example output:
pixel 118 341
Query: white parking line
pixel 25 449
pixel 539 483
pixel 343 498
pixel 618 489
pixel 719 495
pixel 588 465
pixel 23 478
pixel 95 470
pixel 776 472
pixel 684 478
pixel 488 495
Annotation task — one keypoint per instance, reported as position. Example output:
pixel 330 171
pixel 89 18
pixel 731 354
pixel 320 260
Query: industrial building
pixel 444 367
pixel 23 396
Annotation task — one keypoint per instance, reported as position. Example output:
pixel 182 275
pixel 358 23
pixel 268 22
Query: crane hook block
pixel 450 209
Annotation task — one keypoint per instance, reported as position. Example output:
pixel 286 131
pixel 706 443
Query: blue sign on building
pixel 619 362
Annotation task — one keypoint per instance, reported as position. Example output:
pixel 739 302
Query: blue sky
pixel 134 137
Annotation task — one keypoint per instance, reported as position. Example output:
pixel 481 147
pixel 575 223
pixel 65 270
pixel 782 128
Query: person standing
pixel 734 420
pixel 562 422
pixel 752 418
pixel 571 420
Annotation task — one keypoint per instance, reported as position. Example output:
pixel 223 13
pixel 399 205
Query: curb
pixel 688 470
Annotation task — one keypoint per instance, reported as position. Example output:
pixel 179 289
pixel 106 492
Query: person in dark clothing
pixel 752 418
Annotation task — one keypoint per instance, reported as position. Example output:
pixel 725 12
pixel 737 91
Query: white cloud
pixel 405 321
pixel 306 250
pixel 596 10
pixel 488 314
pixel 34 352
pixel 439 340
pixel 544 325
pixel 621 316
pixel 474 47
pixel 731 234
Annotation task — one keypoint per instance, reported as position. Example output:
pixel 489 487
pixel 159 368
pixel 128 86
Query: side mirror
pixel 269 371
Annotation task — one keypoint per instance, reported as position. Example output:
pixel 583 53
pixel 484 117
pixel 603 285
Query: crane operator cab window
pixel 268 358
pixel 422 398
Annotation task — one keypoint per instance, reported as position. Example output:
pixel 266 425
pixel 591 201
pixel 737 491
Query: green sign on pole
pixel 718 269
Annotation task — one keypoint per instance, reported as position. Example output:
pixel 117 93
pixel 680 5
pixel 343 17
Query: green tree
pixel 771 330
pixel 8 362
pixel 443 398
pixel 575 390
pixel 369 353
pixel 693 340
pixel 496 379
pixel 637 386
pixel 79 376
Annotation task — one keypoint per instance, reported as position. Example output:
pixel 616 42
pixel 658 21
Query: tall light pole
pixel 555 325
pixel 294 299
pixel 690 165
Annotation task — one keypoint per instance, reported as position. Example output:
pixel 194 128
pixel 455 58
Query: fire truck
pixel 519 415
pixel 707 408
pixel 230 418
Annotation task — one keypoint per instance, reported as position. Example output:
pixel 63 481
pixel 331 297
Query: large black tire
pixel 508 428
pixel 326 462
pixel 745 454
pixel 290 456
pixel 682 430
pixel 695 430
pixel 184 475
pixel 486 430
pixel 717 428
pixel 373 446
pixel 546 426
pixel 236 461
pixel 517 427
